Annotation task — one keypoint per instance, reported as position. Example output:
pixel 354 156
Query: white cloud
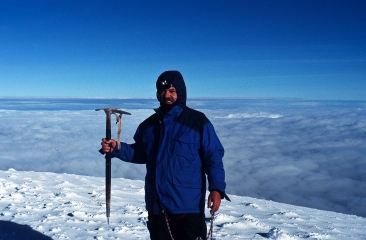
pixel 288 151
pixel 252 115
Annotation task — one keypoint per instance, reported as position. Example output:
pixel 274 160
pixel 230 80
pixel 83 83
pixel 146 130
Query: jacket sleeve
pixel 212 153
pixel 132 153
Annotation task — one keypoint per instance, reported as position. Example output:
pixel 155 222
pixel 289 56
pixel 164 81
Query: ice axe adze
pixel 108 164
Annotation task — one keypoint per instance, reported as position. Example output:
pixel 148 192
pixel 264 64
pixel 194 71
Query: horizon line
pixel 188 99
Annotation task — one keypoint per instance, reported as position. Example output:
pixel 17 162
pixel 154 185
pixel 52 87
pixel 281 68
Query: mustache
pixel 168 99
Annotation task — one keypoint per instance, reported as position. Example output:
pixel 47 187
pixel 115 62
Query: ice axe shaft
pixel 108 162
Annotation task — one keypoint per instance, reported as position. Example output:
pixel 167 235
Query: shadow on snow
pixel 15 231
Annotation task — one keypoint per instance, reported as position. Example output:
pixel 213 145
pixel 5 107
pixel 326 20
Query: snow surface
pixel 45 205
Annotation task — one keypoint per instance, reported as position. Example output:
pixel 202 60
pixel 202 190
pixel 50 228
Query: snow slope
pixel 44 205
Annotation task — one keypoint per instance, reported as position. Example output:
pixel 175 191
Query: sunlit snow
pixel 67 206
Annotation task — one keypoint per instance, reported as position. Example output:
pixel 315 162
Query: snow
pixel 45 205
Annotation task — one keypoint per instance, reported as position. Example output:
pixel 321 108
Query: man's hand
pixel 214 201
pixel 108 145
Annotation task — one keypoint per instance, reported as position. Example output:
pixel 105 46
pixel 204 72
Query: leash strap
pixel 119 121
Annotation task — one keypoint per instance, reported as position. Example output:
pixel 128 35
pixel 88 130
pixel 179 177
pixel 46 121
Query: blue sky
pixel 313 49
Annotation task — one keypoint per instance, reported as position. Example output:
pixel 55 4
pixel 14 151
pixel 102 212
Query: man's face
pixel 168 96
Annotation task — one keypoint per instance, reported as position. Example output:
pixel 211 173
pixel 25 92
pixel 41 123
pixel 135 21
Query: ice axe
pixel 108 163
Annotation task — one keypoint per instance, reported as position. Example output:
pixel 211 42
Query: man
pixel 179 146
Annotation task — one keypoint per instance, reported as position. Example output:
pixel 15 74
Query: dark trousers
pixel 183 227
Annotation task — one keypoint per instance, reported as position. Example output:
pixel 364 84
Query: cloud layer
pixel 298 152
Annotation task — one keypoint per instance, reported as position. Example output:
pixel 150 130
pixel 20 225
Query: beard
pixel 168 101
pixel 167 104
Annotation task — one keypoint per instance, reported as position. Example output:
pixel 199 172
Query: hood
pixel 175 78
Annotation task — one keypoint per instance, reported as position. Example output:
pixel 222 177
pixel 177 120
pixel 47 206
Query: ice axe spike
pixel 108 163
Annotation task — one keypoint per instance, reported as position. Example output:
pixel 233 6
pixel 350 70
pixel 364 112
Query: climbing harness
pixel 210 232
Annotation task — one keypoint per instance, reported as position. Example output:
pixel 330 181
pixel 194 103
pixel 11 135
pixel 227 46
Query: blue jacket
pixel 179 148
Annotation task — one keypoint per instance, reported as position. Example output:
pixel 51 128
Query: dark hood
pixel 175 78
